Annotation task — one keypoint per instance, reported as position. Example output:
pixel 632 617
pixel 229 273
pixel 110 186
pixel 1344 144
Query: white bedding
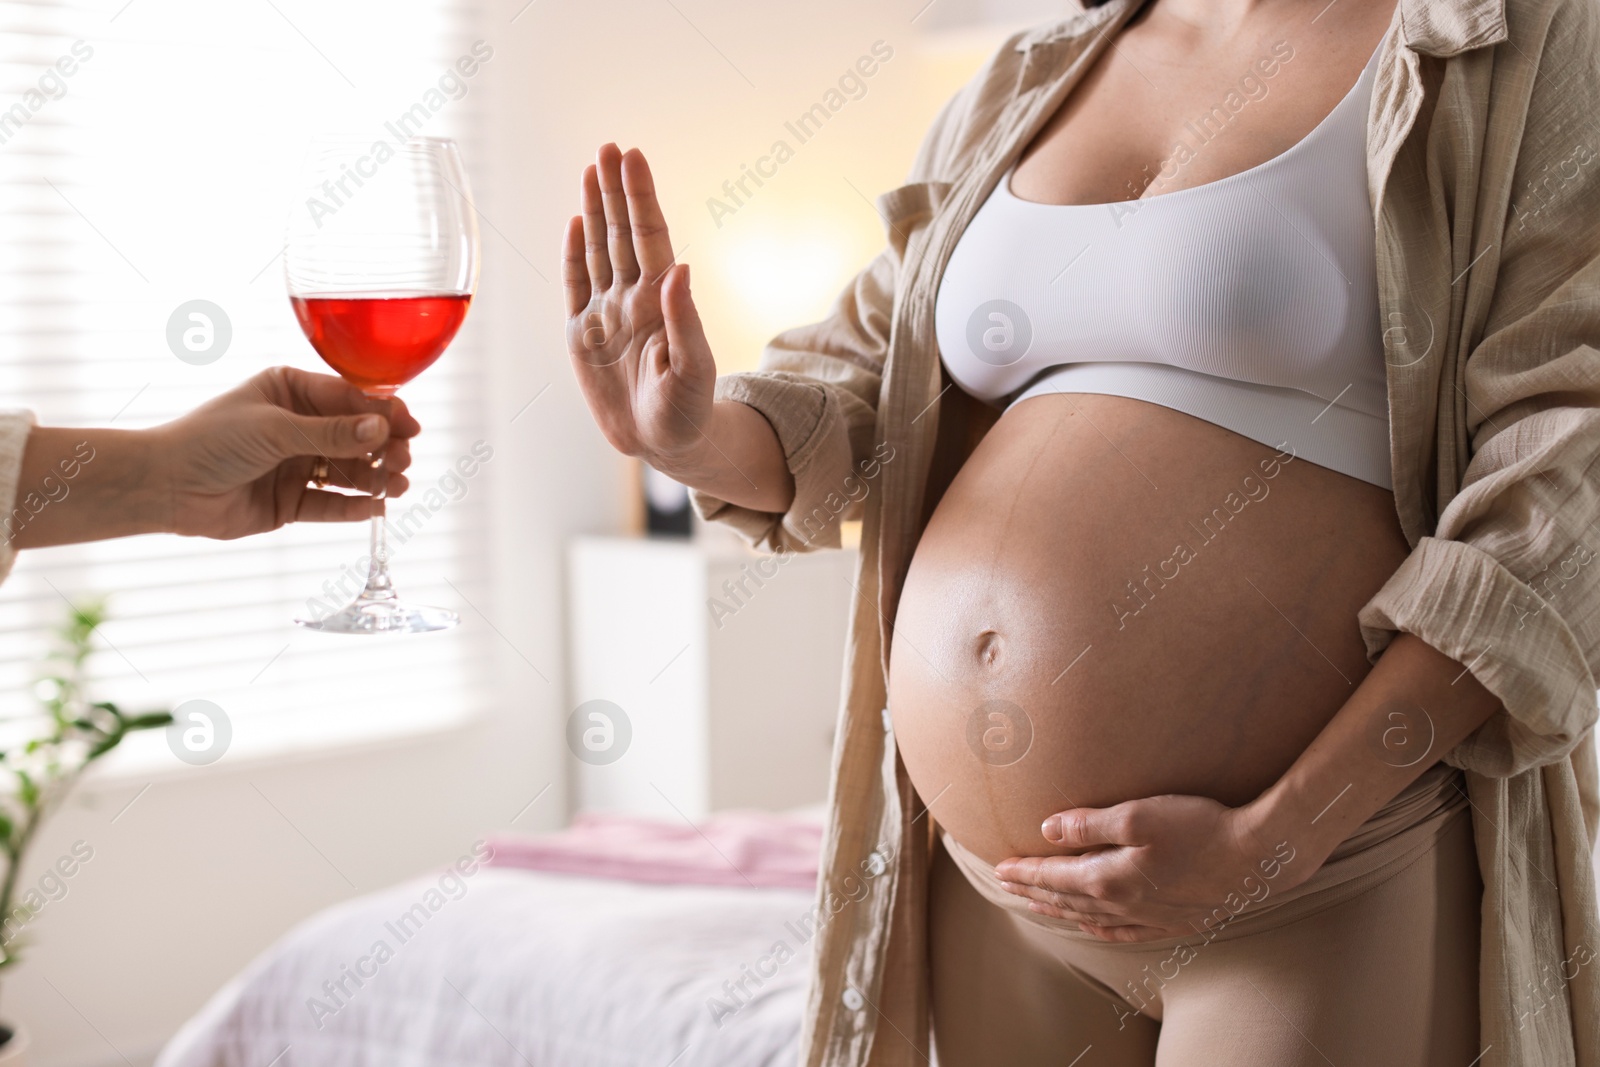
pixel 523 969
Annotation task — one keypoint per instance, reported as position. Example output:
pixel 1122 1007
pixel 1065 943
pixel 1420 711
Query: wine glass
pixel 381 262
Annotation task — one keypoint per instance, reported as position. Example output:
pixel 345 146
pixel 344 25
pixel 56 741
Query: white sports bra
pixel 1250 302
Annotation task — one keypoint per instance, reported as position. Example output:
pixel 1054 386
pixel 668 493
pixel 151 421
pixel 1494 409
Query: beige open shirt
pixel 1483 162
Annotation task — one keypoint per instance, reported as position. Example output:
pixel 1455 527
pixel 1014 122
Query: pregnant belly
pixel 1116 600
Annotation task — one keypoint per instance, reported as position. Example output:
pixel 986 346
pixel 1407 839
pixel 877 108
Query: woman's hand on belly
pixel 1153 868
pixel 1162 866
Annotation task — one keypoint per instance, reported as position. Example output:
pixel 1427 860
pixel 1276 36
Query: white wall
pixel 208 866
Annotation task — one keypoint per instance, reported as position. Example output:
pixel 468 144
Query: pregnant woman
pixel 1224 419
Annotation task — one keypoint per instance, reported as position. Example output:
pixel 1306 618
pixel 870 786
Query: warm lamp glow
pixel 784 275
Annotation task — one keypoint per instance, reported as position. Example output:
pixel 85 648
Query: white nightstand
pixel 726 664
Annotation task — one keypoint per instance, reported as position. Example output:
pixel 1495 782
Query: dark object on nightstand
pixel 666 506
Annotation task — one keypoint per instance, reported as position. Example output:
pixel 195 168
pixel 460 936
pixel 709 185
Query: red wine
pixel 380 342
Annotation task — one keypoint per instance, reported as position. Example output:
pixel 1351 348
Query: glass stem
pixel 379 587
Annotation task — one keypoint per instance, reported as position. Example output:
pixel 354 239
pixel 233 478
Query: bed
pixel 512 967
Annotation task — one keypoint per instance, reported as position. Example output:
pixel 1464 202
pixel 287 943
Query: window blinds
pixel 148 153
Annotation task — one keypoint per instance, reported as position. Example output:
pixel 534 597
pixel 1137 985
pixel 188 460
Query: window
pixel 148 153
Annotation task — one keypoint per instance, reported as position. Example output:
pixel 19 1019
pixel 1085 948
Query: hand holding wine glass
pixel 381 266
pixel 239 464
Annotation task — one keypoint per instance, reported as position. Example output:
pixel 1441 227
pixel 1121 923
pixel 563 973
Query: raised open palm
pixel 635 338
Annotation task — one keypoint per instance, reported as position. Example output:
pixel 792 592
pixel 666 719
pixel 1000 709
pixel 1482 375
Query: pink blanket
pixel 737 848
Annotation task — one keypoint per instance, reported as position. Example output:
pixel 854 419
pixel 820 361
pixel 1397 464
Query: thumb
pixel 341 435
pixel 1088 827
pixel 688 350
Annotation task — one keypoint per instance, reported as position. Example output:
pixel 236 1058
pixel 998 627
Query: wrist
pixel 1280 826
pixel 738 457
pixel 125 480
pixel 698 462
pixel 151 494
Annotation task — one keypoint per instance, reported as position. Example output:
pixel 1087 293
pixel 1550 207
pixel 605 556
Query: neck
pixel 1220 20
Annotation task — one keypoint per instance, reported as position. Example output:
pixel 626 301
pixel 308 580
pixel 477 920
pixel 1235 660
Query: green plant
pixel 49 753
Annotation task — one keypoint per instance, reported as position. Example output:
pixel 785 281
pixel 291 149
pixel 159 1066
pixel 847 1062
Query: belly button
pixel 989 648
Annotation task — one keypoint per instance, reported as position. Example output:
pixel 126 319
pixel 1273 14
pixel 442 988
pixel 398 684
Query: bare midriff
pixel 1116 600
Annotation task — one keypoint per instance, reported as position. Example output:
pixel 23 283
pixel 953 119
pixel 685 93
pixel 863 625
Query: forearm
pixel 738 459
pixel 1414 706
pixel 86 485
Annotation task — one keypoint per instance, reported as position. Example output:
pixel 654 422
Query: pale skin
pixel 1147 868
pixel 237 465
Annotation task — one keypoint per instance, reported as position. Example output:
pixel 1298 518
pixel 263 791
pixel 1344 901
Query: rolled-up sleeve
pixel 1509 582
pixel 14 427
pixel 1457 598
pixel 818 385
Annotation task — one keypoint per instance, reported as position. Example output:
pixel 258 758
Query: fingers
pixel 594 231
pixel 574 272
pixel 319 505
pixel 1089 827
pixel 1092 914
pixel 361 478
pixel 402 424
pixel 397 456
pixel 614 200
pixel 357 473
pixel 1097 875
pixel 356 476
pixel 308 393
pixel 325 505
pixel 687 348
pixel 1030 870
pixel 624 232
pixel 651 244
pixel 345 436
pixel 1079 905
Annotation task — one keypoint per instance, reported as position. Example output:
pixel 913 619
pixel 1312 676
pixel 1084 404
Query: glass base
pixel 388 616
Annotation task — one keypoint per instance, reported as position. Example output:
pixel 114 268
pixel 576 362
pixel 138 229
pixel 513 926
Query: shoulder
pixel 1561 28
pixel 969 116
pixel 1532 65
pixel 1549 64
